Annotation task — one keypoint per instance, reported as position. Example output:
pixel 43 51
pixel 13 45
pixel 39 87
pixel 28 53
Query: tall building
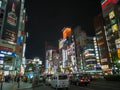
pixel 89 57
pixel 110 11
pixel 80 38
pixel 49 60
pixel 102 45
pixel 12 35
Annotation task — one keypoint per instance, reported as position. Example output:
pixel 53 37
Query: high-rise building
pixel 102 45
pixel 110 11
pixel 12 34
pixel 80 38
pixel 89 57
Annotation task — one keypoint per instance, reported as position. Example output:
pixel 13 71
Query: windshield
pixel 61 77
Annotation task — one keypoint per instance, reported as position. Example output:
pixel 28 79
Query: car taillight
pixel 88 80
pixel 82 77
pixel 81 80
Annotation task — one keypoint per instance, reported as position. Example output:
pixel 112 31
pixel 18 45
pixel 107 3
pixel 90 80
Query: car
pixel 48 81
pixel 70 78
pixel 41 78
pixel 80 79
pixel 60 81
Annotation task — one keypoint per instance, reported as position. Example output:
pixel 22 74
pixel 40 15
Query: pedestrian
pixel 18 81
pixel 13 78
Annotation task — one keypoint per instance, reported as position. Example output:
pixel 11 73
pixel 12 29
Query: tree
pixel 115 59
pixel 30 66
pixel 69 69
pixel 59 70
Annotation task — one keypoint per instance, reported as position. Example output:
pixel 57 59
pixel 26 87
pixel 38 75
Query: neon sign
pixel 106 2
pixel 7 53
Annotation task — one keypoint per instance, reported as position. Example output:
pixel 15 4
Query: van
pixel 48 79
pixel 60 81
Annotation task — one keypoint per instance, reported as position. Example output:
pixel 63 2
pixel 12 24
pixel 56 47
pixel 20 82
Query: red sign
pixel 106 2
pixel 6 48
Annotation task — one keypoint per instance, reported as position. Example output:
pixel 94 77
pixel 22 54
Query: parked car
pixel 80 79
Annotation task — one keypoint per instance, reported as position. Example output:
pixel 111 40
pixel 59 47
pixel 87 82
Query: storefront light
pixel 118 61
pixel 111 15
pixel 2 55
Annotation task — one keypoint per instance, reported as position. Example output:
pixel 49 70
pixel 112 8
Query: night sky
pixel 46 19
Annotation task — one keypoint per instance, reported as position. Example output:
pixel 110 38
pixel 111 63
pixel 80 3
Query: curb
pixel 23 88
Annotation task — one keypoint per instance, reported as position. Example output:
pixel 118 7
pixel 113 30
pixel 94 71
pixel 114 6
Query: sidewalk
pixel 23 85
pixel 8 86
pixel 14 86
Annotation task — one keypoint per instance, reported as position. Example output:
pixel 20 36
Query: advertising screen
pixel 106 2
pixel 11 23
pixel 61 43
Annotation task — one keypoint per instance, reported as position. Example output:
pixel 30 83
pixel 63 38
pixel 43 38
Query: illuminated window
pixel 111 15
pixel 114 28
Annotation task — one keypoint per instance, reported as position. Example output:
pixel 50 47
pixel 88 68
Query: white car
pixel 60 81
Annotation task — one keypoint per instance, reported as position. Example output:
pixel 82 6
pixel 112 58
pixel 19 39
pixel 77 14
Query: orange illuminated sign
pixel 66 32
pixel 6 48
pixel 118 52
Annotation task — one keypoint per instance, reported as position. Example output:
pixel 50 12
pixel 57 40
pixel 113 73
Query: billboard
pixel 66 32
pixel 7 47
pixel 61 43
pixel 11 23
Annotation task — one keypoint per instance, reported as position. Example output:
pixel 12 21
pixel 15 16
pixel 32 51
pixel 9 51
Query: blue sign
pixel 7 53
pixel 18 40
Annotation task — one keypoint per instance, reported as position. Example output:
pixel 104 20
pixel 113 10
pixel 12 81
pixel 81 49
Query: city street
pixel 95 85
pixel 60 44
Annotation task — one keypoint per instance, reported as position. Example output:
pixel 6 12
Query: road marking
pixel 87 88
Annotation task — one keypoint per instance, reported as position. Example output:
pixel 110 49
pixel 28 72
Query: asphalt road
pixel 95 85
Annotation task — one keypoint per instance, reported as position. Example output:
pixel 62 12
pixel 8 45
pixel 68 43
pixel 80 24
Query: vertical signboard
pixel 11 23
pixel 66 32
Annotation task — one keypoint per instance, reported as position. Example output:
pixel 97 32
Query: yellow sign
pixel 118 52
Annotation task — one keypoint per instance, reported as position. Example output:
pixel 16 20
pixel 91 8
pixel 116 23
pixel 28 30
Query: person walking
pixel 18 80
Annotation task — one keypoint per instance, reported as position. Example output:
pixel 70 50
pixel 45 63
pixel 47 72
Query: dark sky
pixel 46 19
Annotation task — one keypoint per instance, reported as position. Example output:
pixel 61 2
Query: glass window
pixel 61 77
